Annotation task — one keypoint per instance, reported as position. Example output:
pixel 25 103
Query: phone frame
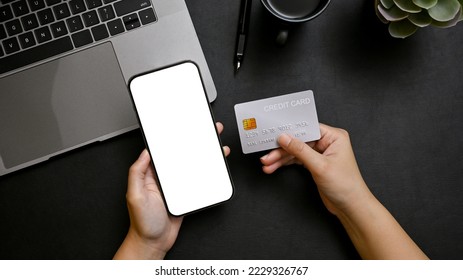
pixel 212 118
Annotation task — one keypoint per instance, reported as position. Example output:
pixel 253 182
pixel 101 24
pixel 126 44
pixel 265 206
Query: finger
pixel 274 156
pixel 278 155
pixel 276 159
pixel 321 145
pixel 226 150
pixel 329 135
pixel 137 172
pixel 150 180
pixel 219 127
pixel 308 156
pixel 269 169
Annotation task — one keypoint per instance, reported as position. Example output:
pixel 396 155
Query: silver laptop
pixel 65 64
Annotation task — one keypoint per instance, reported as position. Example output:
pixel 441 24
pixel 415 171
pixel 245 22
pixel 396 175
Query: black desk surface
pixel 401 101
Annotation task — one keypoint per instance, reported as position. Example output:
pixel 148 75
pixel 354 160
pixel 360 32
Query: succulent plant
pixel 406 16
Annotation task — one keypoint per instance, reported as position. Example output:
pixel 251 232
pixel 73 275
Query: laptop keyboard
pixel 33 30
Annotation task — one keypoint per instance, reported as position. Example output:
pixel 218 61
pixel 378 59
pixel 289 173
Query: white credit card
pixel 260 122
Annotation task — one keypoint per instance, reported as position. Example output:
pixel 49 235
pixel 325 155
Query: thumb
pixel 311 159
pixel 138 171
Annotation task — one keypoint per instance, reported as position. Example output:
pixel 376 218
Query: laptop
pixel 65 65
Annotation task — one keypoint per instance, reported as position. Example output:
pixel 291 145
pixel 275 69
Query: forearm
pixel 376 234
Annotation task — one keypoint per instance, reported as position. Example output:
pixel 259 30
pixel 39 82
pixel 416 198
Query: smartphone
pixel 180 134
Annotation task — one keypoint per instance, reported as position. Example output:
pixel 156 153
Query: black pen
pixel 245 16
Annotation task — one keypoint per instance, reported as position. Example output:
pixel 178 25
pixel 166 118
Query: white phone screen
pixel 182 139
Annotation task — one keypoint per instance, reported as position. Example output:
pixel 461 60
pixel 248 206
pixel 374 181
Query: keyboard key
pixel 2 32
pixel 131 21
pixel 93 3
pixel 36 4
pixel 5 13
pixel 11 45
pixel 45 16
pixel 82 38
pixel 35 54
pixel 75 24
pixel 115 26
pixel 26 40
pixel 90 18
pixel 20 8
pixel 106 13
pixel 61 11
pixel 59 29
pixel 52 2
pixel 77 6
pixel 13 27
pixel 108 1
pixel 129 6
pixel 43 34
pixel 30 22
pixel 100 32
pixel 147 16
pixel 7 1
pixel 1 52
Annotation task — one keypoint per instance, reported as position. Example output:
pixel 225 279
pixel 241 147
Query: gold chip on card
pixel 249 124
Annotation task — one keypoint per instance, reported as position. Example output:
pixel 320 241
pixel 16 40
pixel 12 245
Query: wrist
pixel 136 247
pixel 359 201
pixel 360 215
